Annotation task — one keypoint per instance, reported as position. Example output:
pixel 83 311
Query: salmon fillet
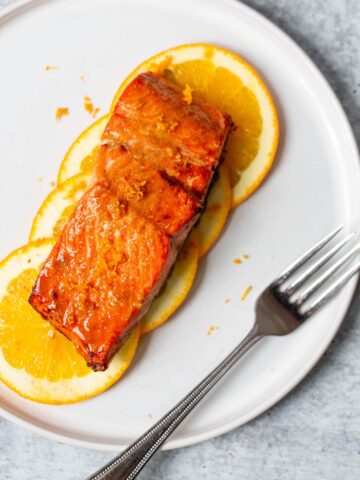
pixel 153 172
pixel 98 277
pixel 151 192
pixel 153 120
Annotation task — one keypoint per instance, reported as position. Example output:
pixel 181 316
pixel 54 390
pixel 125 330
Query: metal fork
pixel 280 310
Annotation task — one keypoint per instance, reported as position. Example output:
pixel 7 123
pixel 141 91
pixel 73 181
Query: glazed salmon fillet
pixel 154 169
pixel 99 275
pixel 151 192
pixel 155 122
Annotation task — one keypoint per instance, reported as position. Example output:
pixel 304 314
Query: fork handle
pixel 129 463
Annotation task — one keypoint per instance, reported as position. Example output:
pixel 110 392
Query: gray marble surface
pixel 314 433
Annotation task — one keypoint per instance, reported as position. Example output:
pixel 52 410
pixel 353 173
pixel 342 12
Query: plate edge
pixel 20 5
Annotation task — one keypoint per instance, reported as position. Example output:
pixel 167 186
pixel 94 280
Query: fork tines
pixel 298 277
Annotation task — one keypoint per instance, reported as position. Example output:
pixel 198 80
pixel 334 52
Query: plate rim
pixel 21 6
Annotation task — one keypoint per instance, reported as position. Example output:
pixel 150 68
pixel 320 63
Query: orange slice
pixel 216 212
pixel 82 154
pixel 176 289
pixel 37 361
pixel 223 78
pixel 58 206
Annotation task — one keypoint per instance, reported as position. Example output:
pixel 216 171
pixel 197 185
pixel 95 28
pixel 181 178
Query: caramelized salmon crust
pixel 153 172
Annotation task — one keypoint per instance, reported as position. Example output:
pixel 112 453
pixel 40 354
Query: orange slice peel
pixel 81 155
pixel 58 206
pixel 176 289
pixel 217 209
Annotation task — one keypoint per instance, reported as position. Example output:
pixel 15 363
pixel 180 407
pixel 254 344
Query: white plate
pixel 314 187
